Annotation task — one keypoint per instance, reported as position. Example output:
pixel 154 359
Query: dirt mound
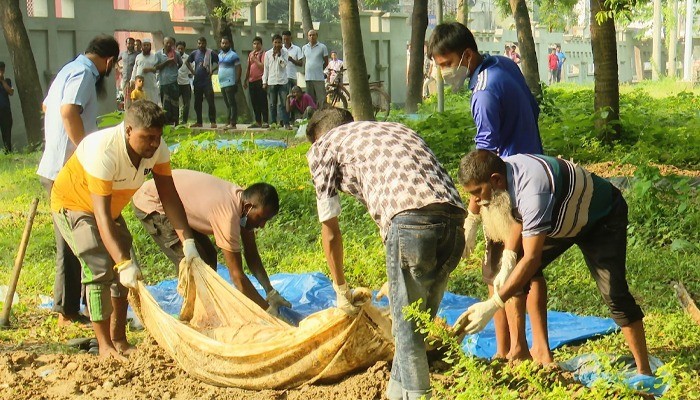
pixel 612 169
pixel 150 374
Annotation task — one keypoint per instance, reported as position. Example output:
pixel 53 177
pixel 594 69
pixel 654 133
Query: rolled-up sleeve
pixel 324 169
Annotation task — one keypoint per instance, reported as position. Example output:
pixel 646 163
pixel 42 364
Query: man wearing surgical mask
pixel 226 211
pixel 505 114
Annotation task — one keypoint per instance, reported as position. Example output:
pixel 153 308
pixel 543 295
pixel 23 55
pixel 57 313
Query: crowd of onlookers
pixel 170 77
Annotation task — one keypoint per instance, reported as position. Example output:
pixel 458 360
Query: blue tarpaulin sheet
pixel 313 292
pixel 239 144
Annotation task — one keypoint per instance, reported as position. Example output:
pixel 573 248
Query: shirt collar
pixel 82 59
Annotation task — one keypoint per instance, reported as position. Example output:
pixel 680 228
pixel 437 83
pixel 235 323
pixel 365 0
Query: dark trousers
pixel 186 96
pixel 604 249
pixel 258 98
pixel 290 84
pixel 229 93
pixel 170 95
pixel 278 96
pixel 67 288
pixel 199 94
pixel 159 227
pixel 6 128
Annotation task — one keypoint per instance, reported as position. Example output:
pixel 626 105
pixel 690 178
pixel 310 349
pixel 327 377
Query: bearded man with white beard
pixel 559 204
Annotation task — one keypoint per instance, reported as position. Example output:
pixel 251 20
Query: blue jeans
pixel 422 248
pixel 277 96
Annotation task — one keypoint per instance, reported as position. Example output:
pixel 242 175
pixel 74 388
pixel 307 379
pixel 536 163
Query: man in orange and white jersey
pixel 87 198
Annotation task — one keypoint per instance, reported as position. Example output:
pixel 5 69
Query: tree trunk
pixel 361 101
pixel 306 21
pixel 419 23
pixel 526 43
pixel 606 101
pixel 220 25
pixel 463 12
pixel 657 69
pixel 24 67
pixel 672 26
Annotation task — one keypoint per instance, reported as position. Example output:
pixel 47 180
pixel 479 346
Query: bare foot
pixel 111 352
pixel 123 347
pixel 542 357
pixel 519 356
pixel 499 356
pixel 68 319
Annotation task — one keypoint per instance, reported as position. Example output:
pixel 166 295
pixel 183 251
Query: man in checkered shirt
pixel 413 200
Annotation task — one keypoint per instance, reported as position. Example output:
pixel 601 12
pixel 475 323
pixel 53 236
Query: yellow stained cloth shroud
pixel 225 339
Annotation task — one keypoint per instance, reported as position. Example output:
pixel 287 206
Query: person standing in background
pixel 205 62
pixel 127 58
pixel 553 63
pixel 169 63
pixel 6 91
pixel 562 59
pixel 275 81
pixel 145 65
pixel 253 79
pixel 70 110
pixel 335 65
pixel 315 61
pixel 229 80
pixel 295 61
pixel 184 83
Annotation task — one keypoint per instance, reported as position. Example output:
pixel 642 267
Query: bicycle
pixel 337 94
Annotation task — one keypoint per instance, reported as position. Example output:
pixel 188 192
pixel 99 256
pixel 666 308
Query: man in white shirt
pixel 315 56
pixel 335 65
pixel 275 80
pixel 145 65
pixel 295 61
pixel 184 83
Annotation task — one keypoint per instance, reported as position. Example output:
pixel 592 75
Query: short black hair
pixel 202 39
pixel 104 46
pixel 2 65
pixel 181 43
pixel 477 167
pixel 257 39
pixel 138 40
pixel 276 36
pixel 451 37
pixel 326 119
pixel 137 77
pixel 145 114
pixel 264 195
pixel 287 33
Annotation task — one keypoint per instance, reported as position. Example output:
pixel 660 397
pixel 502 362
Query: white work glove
pixel 509 259
pixel 129 273
pixel 275 301
pixel 383 292
pixel 344 299
pixel 190 249
pixel 478 315
pixel 471 225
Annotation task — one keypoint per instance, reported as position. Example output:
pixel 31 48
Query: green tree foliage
pixel 556 15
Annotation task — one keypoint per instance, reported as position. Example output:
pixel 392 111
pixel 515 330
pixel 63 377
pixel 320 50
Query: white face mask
pixel 455 77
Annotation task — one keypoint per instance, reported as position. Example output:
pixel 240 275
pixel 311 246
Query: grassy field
pixel 663 244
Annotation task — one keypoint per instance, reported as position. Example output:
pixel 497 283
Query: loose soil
pixel 150 374
pixel 611 169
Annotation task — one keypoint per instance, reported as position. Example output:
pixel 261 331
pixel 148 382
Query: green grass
pixel 663 233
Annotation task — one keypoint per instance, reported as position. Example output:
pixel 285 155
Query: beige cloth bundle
pixel 225 339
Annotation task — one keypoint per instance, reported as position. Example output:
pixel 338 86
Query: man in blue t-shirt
pixel 205 63
pixel 556 204
pixel 562 59
pixel 229 79
pixel 505 113
pixel 6 91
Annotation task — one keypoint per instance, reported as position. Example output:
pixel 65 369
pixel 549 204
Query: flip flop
pixel 93 349
pixel 80 343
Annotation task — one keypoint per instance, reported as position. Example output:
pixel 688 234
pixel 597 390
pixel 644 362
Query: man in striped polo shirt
pixel 556 204
pixel 87 199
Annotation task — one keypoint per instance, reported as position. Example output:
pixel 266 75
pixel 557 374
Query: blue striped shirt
pixel 554 196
